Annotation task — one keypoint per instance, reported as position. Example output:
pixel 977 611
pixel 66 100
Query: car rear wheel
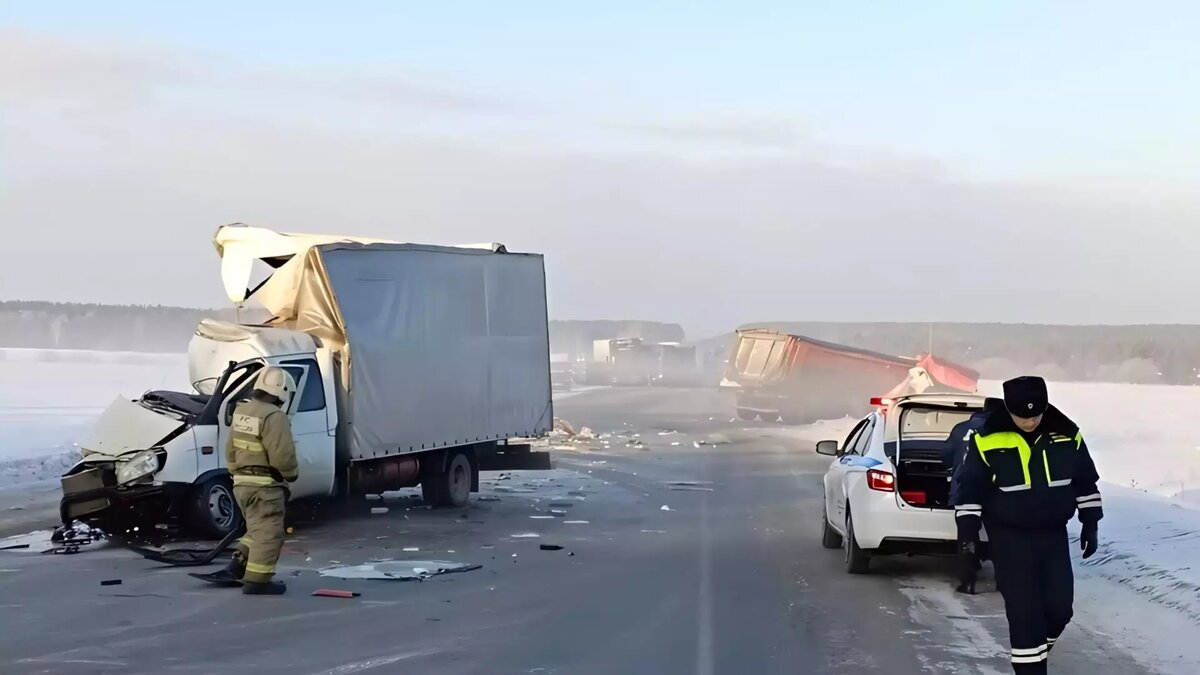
pixel 829 536
pixel 858 561
pixel 747 415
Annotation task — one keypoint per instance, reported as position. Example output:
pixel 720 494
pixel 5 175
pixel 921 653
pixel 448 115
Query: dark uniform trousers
pixel 1033 573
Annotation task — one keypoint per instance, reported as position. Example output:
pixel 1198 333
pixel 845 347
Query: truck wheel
pixel 829 537
pixel 451 487
pixel 747 415
pixel 215 512
pixel 858 561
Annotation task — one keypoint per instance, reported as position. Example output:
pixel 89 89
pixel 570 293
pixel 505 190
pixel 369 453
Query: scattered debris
pixel 654 531
pixel 526 535
pixel 13 547
pixel 399 570
pixel 550 547
pixel 411 549
pixel 587 434
pixel 557 512
pixel 690 488
pixel 571 554
pixel 674 442
pixel 561 505
pixel 334 593
pixel 379 510
pixel 542 517
pixel 668 432
pixel 562 428
pixel 487 498
pixel 575 522
pixel 664 507
pixel 110 582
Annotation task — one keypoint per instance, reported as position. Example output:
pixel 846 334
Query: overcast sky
pixel 744 161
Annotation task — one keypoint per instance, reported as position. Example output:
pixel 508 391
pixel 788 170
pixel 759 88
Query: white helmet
pixel 276 382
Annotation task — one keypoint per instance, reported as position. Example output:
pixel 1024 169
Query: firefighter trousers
pixel 1033 573
pixel 262 507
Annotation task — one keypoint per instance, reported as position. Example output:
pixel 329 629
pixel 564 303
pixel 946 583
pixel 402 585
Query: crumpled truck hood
pixel 128 427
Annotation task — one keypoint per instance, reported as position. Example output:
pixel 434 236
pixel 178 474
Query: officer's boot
pixel 264 588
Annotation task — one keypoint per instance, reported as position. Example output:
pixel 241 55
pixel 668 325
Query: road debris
pixel 575 522
pixel 550 547
pixel 13 547
pixel 487 498
pixel 542 517
pixel 525 535
pixel 399 570
pixel 557 512
pixel 110 582
pixel 411 549
pixel 334 593
pixel 664 507
pixel 379 510
pixel 654 531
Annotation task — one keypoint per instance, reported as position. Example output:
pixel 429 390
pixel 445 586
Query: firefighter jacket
pixel 1020 480
pixel 260 450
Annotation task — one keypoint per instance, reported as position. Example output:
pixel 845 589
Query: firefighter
pixel 1026 472
pixel 261 456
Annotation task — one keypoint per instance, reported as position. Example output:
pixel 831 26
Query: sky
pixel 700 162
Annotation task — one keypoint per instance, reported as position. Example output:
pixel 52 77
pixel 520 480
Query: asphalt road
pixel 731 579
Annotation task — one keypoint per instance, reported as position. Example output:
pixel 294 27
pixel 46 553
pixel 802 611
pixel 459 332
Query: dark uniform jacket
pixel 1020 480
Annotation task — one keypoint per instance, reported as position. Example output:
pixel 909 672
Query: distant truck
pixel 414 365
pixel 799 379
pixel 675 365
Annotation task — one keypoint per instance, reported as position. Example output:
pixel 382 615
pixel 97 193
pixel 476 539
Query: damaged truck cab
pixel 414 365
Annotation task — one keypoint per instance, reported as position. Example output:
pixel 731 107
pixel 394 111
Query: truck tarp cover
pixel 439 345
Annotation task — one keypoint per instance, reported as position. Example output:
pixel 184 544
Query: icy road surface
pixel 730 578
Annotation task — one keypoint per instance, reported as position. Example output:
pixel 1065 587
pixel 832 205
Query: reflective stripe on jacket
pixel 1028 480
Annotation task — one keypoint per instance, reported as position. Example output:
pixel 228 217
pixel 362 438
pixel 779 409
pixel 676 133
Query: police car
pixel 888 491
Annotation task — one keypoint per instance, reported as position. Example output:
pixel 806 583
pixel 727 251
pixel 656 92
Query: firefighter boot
pixel 264 588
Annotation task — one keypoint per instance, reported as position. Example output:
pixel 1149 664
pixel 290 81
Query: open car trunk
pixel 922 453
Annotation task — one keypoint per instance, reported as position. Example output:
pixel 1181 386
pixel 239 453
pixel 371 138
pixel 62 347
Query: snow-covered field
pixel 49 398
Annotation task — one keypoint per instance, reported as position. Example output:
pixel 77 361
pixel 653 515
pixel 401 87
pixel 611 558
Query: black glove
pixel 968 566
pixel 1089 539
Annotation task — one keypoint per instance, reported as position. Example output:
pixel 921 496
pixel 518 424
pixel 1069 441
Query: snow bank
pixel 50 398
pixel 1151 546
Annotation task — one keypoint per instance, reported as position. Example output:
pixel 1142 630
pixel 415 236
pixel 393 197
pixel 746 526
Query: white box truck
pixel 414 365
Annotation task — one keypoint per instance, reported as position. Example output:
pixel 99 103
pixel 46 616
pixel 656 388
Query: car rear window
pixel 929 423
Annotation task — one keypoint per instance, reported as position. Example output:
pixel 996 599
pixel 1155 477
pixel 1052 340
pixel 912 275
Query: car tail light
pixel 914 497
pixel 881 480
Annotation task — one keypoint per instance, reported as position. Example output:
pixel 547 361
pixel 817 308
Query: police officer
pixel 261 456
pixel 1026 472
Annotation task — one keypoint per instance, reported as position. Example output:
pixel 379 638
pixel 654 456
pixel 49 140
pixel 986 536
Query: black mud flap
pixel 184 557
pixel 220 578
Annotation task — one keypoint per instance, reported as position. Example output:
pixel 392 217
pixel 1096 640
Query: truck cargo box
pixel 438 346
pixel 799 378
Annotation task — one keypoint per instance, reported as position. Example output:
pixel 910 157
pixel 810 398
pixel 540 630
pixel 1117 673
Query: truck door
pixel 236 388
pixel 310 428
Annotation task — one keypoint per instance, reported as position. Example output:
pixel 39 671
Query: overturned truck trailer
pixel 413 365
pixel 800 379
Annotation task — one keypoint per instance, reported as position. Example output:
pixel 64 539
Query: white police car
pixel 888 491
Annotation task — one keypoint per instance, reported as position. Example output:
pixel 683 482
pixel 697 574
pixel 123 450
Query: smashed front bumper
pixel 91 493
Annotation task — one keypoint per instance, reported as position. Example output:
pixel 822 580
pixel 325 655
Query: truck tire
pixel 829 536
pixel 858 561
pixel 747 415
pixel 451 486
pixel 215 512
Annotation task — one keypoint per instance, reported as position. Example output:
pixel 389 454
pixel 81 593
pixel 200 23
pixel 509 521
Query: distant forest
pixel 137 328
pixel 1164 354
pixel 1144 354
